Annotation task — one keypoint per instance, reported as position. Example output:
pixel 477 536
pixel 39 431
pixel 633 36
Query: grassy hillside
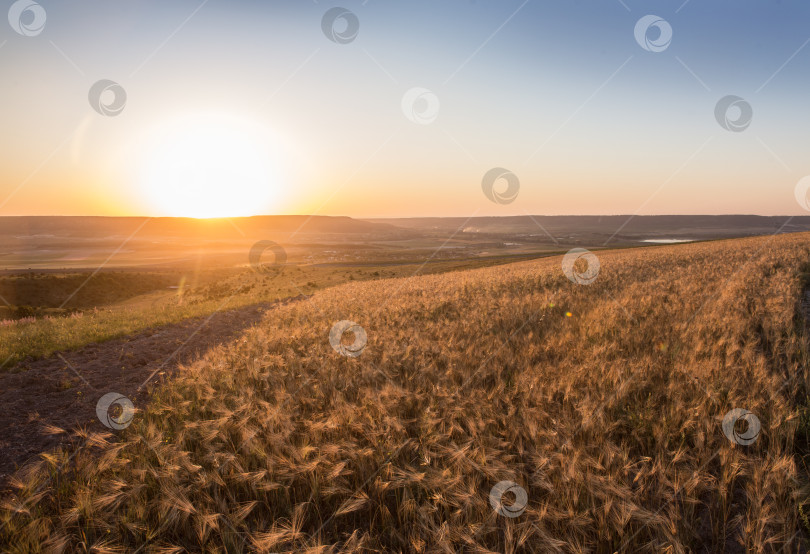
pixel 603 402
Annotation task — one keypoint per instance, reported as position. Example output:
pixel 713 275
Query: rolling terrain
pixel 508 409
pixel 54 244
pixel 604 230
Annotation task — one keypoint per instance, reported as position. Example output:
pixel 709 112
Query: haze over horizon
pixel 226 109
pixel 406 216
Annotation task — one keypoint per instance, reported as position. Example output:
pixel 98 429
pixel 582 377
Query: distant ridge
pixel 581 227
pixel 625 226
pixel 224 228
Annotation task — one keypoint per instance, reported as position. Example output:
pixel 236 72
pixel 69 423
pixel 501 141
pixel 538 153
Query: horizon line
pixel 397 217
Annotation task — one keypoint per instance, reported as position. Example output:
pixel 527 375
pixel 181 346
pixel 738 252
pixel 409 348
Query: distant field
pixel 603 403
pixel 35 244
pixel 79 244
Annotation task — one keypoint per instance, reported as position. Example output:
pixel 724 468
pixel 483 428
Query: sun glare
pixel 211 166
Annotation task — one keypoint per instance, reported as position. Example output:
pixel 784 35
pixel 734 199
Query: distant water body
pixel 667 241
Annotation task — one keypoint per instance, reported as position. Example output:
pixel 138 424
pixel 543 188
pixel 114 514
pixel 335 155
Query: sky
pixel 393 108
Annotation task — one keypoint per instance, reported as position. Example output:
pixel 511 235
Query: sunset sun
pixel 210 166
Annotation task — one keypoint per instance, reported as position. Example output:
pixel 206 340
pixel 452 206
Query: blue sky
pixel 558 92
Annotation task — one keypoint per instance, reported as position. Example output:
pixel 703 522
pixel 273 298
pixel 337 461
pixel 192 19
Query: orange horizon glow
pixel 227 120
pixel 276 174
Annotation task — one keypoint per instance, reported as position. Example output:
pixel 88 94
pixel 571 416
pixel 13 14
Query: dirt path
pixel 49 391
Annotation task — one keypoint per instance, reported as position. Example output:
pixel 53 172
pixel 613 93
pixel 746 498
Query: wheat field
pixel 603 402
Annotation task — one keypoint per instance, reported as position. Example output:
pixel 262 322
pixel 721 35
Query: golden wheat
pixel 604 402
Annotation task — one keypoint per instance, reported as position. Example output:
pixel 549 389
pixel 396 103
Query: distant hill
pixel 303 227
pixel 626 227
pixel 231 228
